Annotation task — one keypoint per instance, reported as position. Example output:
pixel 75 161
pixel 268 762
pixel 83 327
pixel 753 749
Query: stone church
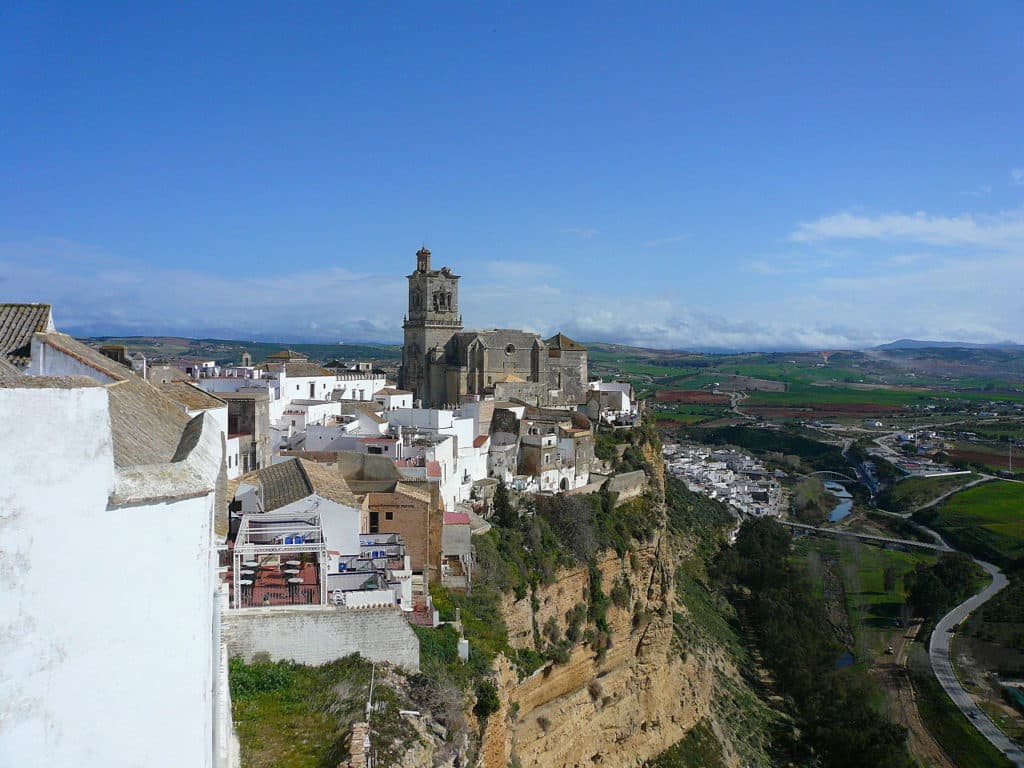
pixel 442 363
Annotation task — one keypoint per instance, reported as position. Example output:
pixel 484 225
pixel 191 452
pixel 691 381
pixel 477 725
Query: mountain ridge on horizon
pixel 263 339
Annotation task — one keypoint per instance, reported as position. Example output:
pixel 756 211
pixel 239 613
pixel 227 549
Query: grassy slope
pixel 912 492
pixel 986 520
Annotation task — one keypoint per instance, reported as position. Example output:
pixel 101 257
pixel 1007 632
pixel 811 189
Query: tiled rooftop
pixel 18 322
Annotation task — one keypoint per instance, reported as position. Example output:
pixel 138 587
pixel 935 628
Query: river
pixel 845 505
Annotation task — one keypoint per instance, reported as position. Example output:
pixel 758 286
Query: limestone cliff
pixel 630 703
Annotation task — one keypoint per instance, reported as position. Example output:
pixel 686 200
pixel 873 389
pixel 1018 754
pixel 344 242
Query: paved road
pixel 938 651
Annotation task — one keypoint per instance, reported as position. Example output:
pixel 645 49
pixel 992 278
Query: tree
pixel 504 514
pixel 889 577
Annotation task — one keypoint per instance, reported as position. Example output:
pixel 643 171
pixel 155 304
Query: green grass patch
pixel 913 492
pixel 986 520
pixel 699 749
pixel 292 716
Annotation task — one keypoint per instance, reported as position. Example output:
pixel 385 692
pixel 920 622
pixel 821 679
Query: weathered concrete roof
pixel 563 342
pixel 18 322
pixel 190 396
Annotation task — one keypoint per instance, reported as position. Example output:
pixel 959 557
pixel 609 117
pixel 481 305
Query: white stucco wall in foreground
pixel 108 648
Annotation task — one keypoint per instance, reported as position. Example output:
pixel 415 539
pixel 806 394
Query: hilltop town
pixel 287 508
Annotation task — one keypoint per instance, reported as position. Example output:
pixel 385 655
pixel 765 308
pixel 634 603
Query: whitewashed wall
pixel 110 644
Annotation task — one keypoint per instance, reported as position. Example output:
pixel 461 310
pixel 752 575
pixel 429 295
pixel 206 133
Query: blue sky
pixel 672 175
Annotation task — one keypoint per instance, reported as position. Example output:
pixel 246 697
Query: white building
pixel 110 606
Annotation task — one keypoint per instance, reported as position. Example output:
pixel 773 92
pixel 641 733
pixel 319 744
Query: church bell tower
pixel 430 322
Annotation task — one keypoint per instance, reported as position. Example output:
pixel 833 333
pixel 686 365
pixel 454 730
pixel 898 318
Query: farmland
pixel 986 520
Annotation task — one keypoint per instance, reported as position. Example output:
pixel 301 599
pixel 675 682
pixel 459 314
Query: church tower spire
pixel 431 321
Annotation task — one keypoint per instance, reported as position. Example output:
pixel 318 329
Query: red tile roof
pixel 456 518
pixel 433 469
pixel 480 440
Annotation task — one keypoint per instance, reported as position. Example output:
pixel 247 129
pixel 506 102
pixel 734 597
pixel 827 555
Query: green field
pixel 986 520
pixel 873 611
pixel 910 493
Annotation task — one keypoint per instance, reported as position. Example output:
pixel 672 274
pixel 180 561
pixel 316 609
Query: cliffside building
pixel 442 363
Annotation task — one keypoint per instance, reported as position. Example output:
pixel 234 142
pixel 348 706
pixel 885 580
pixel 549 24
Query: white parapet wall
pixel 315 635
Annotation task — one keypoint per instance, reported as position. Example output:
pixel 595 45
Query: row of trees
pixel 832 705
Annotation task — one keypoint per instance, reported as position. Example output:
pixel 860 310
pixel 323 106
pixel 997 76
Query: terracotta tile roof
pixel 287 354
pixel 190 396
pixel 563 342
pixel 8 373
pixel 387 391
pixel 415 490
pixel 147 427
pixel 296 479
pixel 371 411
pixel 456 518
pixel 296 369
pixel 510 378
pixel 86 355
pixel 433 469
pixel 11 378
pixel 480 440
pixel 18 322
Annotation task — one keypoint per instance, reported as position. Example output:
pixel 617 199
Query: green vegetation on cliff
pixel 292 716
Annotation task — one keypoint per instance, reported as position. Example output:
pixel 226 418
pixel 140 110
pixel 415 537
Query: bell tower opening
pixel 423 259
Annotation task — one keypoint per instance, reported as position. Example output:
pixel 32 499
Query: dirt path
pixel 903 704
pixel 904 711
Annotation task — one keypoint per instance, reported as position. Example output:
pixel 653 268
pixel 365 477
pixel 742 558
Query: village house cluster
pixel 171 513
pixel 729 476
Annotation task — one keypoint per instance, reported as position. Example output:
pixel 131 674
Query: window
pixel 389 515
pixel 510 349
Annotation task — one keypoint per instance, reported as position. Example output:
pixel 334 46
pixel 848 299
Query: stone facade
pixel 442 363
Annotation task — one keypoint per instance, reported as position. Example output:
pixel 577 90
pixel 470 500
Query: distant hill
pixel 917 344
pixel 226 351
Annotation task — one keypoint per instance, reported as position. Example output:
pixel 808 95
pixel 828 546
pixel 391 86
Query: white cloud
pixel 1001 230
pixel 1017 176
pixel 585 232
pixel 512 269
pixel 666 241
pixel 912 293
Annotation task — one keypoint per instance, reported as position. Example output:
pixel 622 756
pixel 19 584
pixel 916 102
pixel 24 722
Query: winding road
pixel 939 644
pixel 938 651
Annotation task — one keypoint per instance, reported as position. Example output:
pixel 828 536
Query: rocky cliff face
pixel 622 707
